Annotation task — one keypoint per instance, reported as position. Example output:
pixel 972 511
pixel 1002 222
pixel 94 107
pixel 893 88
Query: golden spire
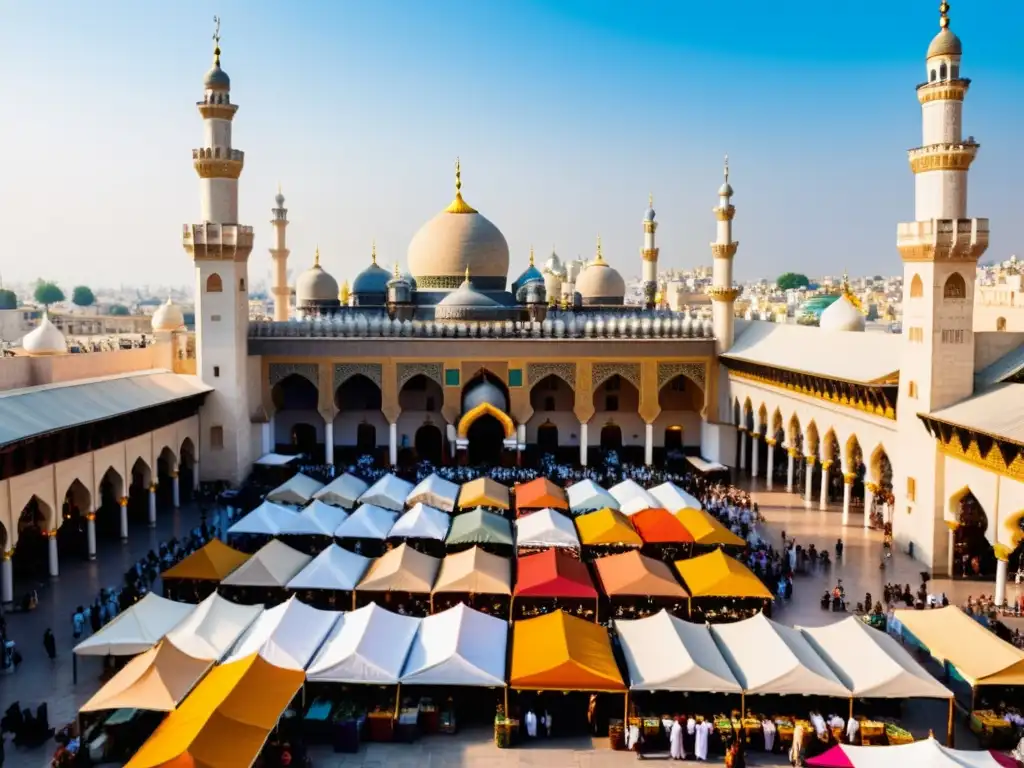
pixel 467 273
pixel 531 255
pixel 944 15
pixel 726 171
pixel 599 259
pixel 316 258
pixel 373 252
pixel 396 274
pixel 650 199
pixel 216 41
pixel 343 294
pixel 458 205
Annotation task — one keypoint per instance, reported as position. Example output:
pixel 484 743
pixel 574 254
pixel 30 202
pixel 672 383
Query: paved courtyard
pixel 40 680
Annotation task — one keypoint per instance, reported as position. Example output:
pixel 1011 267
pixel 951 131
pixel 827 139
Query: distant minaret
pixel 723 295
pixel 279 253
pixel 650 256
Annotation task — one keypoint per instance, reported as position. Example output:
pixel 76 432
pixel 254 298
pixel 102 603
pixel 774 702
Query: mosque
pixel 444 359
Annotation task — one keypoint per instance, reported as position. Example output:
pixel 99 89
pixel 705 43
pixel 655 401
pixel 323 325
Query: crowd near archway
pixel 298 425
pixel 616 419
pixel 72 537
pixel 680 402
pixel 31 553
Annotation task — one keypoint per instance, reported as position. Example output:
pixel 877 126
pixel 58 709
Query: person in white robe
pixel 531 724
pixel 852 728
pixel 701 746
pixel 796 751
pixel 768 727
pixel 676 751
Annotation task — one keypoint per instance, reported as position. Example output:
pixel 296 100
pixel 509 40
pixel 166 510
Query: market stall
pixel 673 498
pixel 664 537
pixel 252 531
pixel 637 586
pixel 478 528
pixel 436 492
pixel 423 528
pixel 553 580
pixel 927 753
pixel 484 492
pixel 722 588
pixel 632 497
pixel 297 490
pixel 479 579
pixel 313 528
pixel 606 532
pixel 286 635
pixel 402 578
pixel 707 532
pixel 540 494
pixel 366 529
pixel 546 529
pixel 588 496
pixel 872 665
pixel 389 492
pixel 196 577
pixel 343 491
pixel 226 720
pixel 264 577
pixel 213 627
pixel 330 579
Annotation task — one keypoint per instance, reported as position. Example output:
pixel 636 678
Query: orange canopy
pixel 718 575
pixel 659 526
pixel 211 563
pixel 538 494
pixel 553 573
pixel 559 652
pixel 606 527
pixel 225 720
pixel 634 574
pixel 706 529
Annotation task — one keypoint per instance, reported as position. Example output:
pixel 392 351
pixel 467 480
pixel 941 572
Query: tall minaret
pixel 940 251
pixel 279 253
pixel 220 247
pixel 650 255
pixel 723 295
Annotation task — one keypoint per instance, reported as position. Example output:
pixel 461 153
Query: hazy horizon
pixel 565 116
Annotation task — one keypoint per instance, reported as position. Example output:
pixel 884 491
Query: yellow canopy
pixel 211 563
pixel 483 492
pixel 718 575
pixel 705 529
pixel 156 680
pixel 559 652
pixel 951 635
pixel 607 526
pixel 226 719
pixel 475 571
pixel 402 569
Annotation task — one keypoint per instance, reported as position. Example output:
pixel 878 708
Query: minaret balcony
pixel 649 254
pixel 943 90
pixel 942 239
pixel 720 293
pixel 216 110
pixel 724 250
pixel 725 212
pixel 217 242
pixel 218 163
pixel 943 157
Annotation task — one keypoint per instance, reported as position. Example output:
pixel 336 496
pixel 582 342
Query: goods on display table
pixel 992 730
pixel 506 730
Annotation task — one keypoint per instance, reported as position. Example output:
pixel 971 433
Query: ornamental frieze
pixel 604 371
pixel 693 371
pixel 408 371
pixel 535 372
pixel 345 371
pixel 281 371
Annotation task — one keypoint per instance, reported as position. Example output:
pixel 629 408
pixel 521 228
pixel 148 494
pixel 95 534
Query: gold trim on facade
pixel 942 157
pixel 723 294
pixel 871 488
pixel 725 213
pixel 961 253
pixel 650 254
pixel 946 90
pixel 217 111
pixel 991 461
pixel 724 250
pixel 810 460
pixel 219 168
pixel 847 395
pixel 849 477
pixel 650 226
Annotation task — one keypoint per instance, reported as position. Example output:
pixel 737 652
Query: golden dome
pixel 168 317
pixel 44 339
pixel 599 283
pixel 946 43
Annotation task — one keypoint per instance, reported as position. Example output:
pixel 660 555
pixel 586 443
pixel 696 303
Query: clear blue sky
pixel 565 114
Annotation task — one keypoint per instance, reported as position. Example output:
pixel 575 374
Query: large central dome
pixel 457 239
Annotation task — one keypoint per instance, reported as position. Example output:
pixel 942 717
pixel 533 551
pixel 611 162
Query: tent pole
pixel 625 714
pixel 353 599
pixel 431 599
pixel 951 723
pixel 398 694
pixel 851 709
pixel 597 610
pixel 74 668
pixel 507 715
pixel 743 704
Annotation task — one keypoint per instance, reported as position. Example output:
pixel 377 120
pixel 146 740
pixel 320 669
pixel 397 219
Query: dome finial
pixel 599 259
pixel 650 199
pixel 531 255
pixel 458 177
pixel 726 169
pixel 216 41
pixel 373 251
pixel 316 257
pixel 944 15
pixel 395 271
pixel 458 205
pixel 467 273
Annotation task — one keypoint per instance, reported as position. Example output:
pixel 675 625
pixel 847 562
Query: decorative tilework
pixel 281 371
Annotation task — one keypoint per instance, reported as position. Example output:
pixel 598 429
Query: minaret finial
pixel 316 257
pixel 458 205
pixel 650 199
pixel 531 255
pixel 944 15
pixel 726 171
pixel 216 41
pixel 395 272
pixel 373 252
pixel 599 259
pixel 279 187
pixel 467 273
pixel 458 177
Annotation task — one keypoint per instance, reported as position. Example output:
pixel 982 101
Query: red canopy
pixel 659 526
pixel 553 573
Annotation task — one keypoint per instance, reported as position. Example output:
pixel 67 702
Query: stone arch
pixel 429 443
pixel 794 438
pixel 421 392
pixel 485 409
pixel 880 467
pixel 777 431
pixel 812 441
pixel 141 474
pixel 616 393
pixel 748 414
pixel 973 550
pixel 955 287
pixel 762 416
pixel 916 287
pixel 552 393
pixel 111 486
pixel 214 283
pixel 680 393
pixel 829 446
pixel 853 454
pixel 737 413
pixel 76 503
pixel 78 495
pixel 166 466
pixel 33 523
pixel 1000 323
pixel 295 391
pixel 484 375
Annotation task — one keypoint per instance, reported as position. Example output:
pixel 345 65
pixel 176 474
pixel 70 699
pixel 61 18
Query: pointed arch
pixel 853 454
pixel 876 464
pixel 793 434
pixel 485 408
pixel 812 443
pixel 916 287
pixel 737 413
pixel 955 287
pixel 830 450
pixel 77 494
pixel 777 421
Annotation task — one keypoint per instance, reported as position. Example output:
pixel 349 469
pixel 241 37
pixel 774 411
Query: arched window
pixel 214 284
pixel 916 287
pixel 1000 323
pixel 955 287
pixel 241 285
pixel 912 389
pixel 954 71
pixel 942 71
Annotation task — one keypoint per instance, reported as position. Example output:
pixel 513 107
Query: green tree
pixel 82 296
pixel 8 299
pixel 791 280
pixel 119 310
pixel 48 293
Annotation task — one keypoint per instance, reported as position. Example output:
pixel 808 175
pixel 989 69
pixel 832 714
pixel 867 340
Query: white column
pixel 266 439
pixel 123 509
pixel 152 505
pixel 823 500
pixel 743 448
pixel 90 534
pixel 175 489
pixel 648 444
pixel 771 463
pixel 1001 567
pixel 790 469
pixel 392 444
pixel 809 481
pixel 195 475
pixel 755 442
pixel 951 547
pixel 52 544
pixel 7 578
pixel 329 441
pixel 869 502
pixel 583 443
pixel 848 478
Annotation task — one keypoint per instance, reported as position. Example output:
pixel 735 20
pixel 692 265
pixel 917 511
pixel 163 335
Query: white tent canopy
pixel 664 653
pixel 275 460
pixel 435 491
pixel 632 497
pixel 369 645
pixel 213 627
pixel 317 519
pixel 767 657
pixel 459 646
pixel 334 568
pixel 546 528
pixel 286 635
pixel 390 492
pixel 274 565
pixel 588 496
pixel 367 522
pixel 342 491
pixel 920 754
pixel 673 498
pixel 871 663
pixel 297 490
pixel 266 520
pixel 421 522
pixel 136 629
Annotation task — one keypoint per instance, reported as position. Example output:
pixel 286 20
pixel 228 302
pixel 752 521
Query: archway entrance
pixel 166 463
pixel 429 444
pixel 611 437
pixel 673 440
pixel 186 470
pixel 108 513
pixel 138 491
pixel 547 438
pixel 304 439
pixel 295 401
pixel 366 438
pixel 31 556
pixel 486 436
pixel 72 538
pixel 973 556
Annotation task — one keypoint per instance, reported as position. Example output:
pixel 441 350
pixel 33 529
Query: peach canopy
pixel 538 494
pixel 559 652
pixel 631 573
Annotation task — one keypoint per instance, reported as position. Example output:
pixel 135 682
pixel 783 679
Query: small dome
pixel 373 279
pixel 649 214
pixel 842 315
pixel 484 392
pixel 946 43
pixel 45 339
pixel 279 199
pixel 217 79
pixel 467 296
pixel 725 190
pixel 530 275
pixel 168 317
pixel 553 266
pixel 315 285
pixel 599 283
